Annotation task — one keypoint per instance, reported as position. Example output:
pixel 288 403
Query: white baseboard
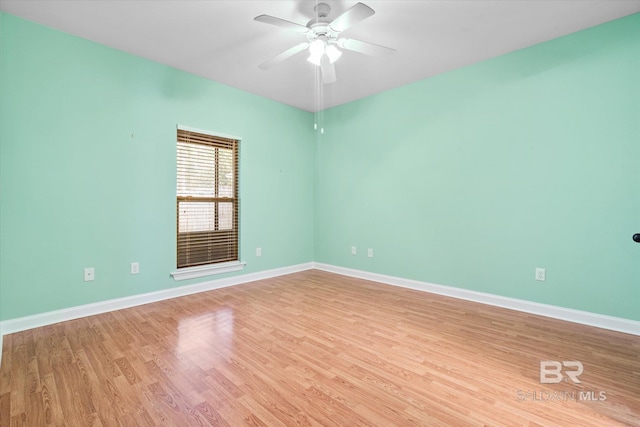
pixel 1 341
pixel 592 319
pixel 42 319
pixel 29 322
pixel 568 314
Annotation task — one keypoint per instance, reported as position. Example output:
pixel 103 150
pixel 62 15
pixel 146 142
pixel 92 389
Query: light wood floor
pixel 314 348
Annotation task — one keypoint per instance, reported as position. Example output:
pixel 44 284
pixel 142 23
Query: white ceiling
pixel 219 40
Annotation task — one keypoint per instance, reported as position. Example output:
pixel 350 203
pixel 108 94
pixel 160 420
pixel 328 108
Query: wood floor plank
pixel 316 349
pixel 211 415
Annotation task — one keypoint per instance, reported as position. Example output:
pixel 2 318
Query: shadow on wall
pixel 176 85
pixel 496 72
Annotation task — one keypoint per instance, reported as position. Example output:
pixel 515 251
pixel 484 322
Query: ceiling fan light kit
pixel 323 38
pixel 319 48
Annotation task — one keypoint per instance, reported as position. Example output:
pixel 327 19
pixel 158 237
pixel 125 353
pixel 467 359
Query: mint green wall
pixel 87 170
pixel 470 179
pixel 476 177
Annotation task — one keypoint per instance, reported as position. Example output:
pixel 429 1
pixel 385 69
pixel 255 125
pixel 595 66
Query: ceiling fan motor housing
pixel 322 10
pixel 319 26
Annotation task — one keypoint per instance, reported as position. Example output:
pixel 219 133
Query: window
pixel 207 199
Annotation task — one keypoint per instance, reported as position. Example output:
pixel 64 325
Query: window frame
pixel 223 266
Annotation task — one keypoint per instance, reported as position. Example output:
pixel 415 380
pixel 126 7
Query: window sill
pixel 207 270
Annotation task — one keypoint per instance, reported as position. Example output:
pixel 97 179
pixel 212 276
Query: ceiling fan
pixel 323 38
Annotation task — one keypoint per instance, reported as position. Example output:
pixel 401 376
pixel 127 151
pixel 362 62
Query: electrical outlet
pixel 541 274
pixel 135 268
pixel 370 253
pixel 89 274
pixel 353 250
pixel 258 251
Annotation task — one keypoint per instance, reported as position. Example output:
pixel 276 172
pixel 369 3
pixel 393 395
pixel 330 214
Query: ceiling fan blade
pixel 284 55
pixel 268 19
pixel 351 16
pixel 328 70
pixel 364 47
